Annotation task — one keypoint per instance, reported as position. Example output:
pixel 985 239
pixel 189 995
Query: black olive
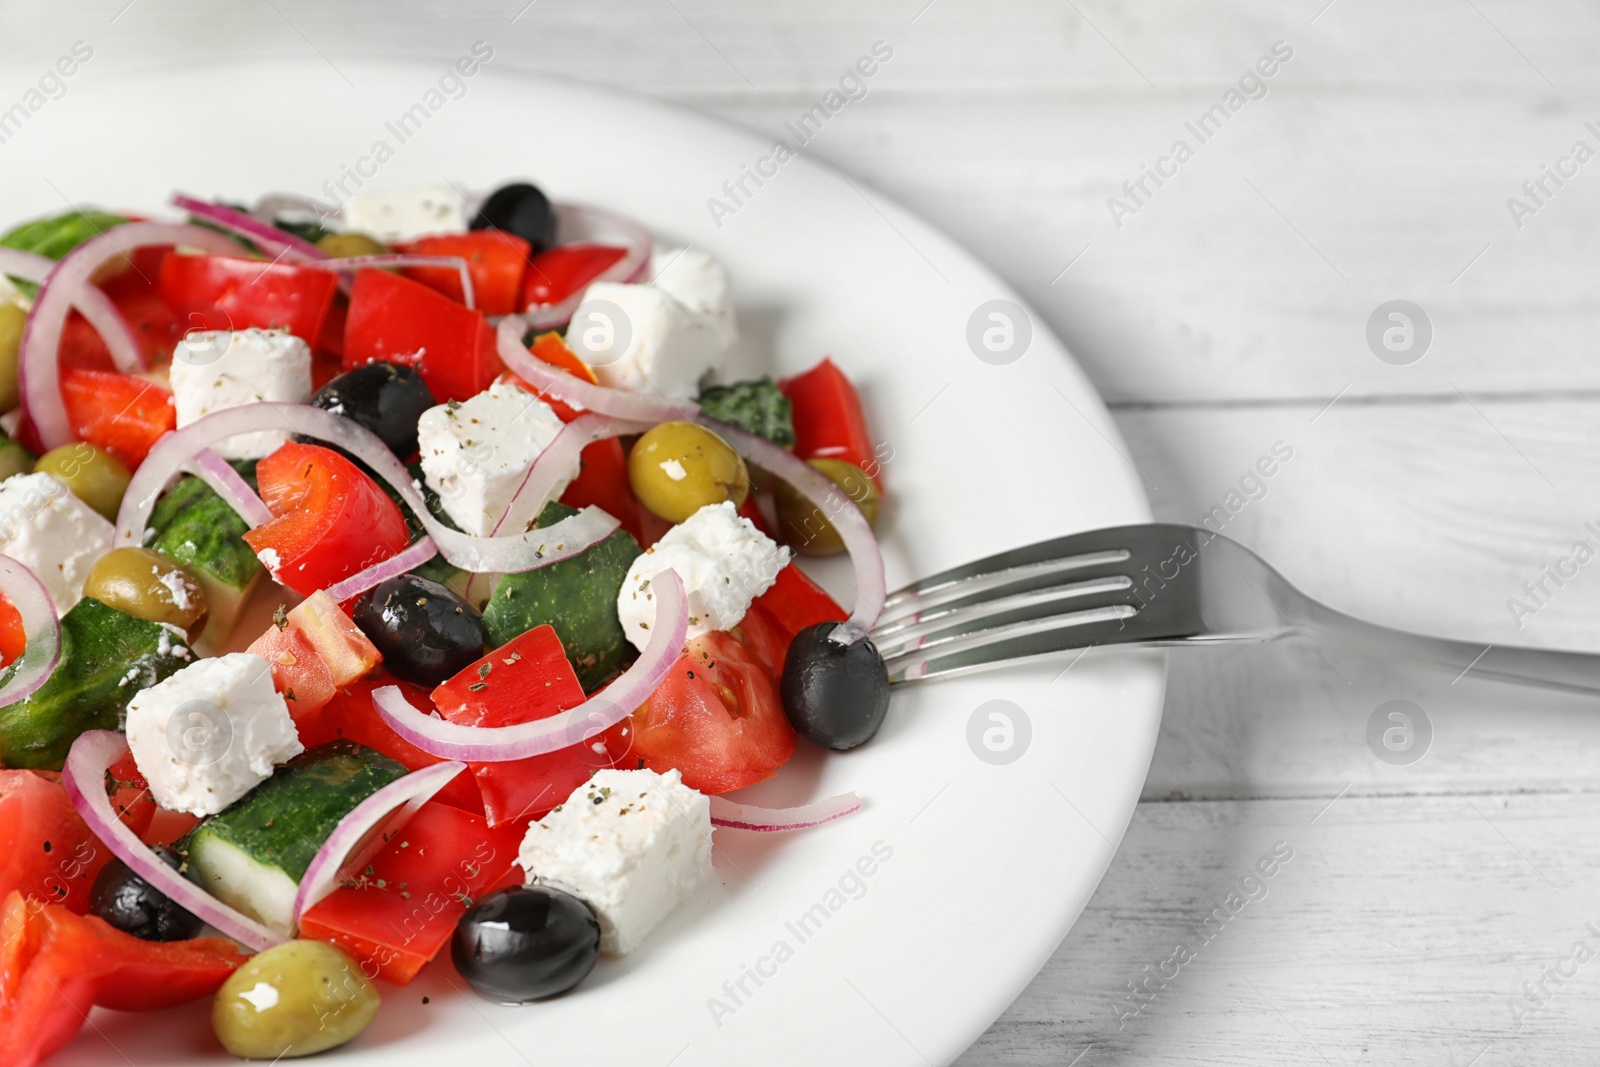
pixel 136 907
pixel 520 209
pixel 526 943
pixel 426 632
pixel 836 695
pixel 386 398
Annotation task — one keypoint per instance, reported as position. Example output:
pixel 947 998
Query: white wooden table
pixel 1226 313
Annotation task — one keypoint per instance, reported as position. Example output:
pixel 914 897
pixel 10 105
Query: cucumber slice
pixel 578 597
pixel 196 527
pixel 106 657
pixel 253 855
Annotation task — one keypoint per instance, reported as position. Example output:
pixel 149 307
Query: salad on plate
pixel 530 559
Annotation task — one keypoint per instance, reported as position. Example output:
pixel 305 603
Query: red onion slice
pixel 503 555
pixel 219 474
pixel 91 757
pixel 579 223
pixel 269 207
pixel 725 812
pixel 91 301
pixel 271 240
pixel 370 825
pixel 39 365
pixel 841 511
pixel 383 570
pixel 39 626
pixel 566 386
pixel 559 457
pixel 493 744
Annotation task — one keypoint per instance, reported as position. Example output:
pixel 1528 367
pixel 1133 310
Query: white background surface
pixel 1223 316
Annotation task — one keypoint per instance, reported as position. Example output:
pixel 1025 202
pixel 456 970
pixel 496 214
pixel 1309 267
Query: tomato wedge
pixel 557 273
pixel 495 259
pixel 121 414
pixel 403 321
pixel 716 717
pixel 234 293
pixel 331 520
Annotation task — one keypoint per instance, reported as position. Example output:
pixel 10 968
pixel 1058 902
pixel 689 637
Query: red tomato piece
pixel 495 259
pixel 233 293
pixel 331 519
pixel 403 321
pixel 557 273
pixel 55 966
pixel 13 638
pixel 46 849
pixel 121 414
pixel 767 641
pixel 405 906
pixel 350 715
pixel 526 679
pixel 716 717
pixel 795 602
pixel 130 795
pixel 297 672
pixel 828 421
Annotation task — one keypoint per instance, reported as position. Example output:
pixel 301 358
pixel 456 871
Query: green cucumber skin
pixel 283 821
pixel 100 646
pixel 756 406
pixel 578 597
pixel 196 527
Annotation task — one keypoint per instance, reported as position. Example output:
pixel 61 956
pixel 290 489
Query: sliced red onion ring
pixel 841 511
pixel 91 301
pixel 219 474
pixel 383 570
pixel 493 744
pixel 91 757
pixel 40 628
pixel 505 555
pixel 39 366
pixel 368 827
pixel 725 812
pixel 580 223
pixel 265 236
pixel 559 383
pixel 403 259
pixel 559 458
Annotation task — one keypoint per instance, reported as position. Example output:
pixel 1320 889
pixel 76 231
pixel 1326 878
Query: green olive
pixel 677 468
pixel 294 999
pixel 94 475
pixel 14 459
pixel 346 245
pixel 802 524
pixel 148 585
pixel 12 320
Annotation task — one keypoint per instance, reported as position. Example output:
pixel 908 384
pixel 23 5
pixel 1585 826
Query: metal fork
pixel 1154 584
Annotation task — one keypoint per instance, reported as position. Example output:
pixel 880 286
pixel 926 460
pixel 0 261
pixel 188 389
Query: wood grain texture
pixel 1219 318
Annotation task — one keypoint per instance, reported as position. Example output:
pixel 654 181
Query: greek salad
pixel 530 559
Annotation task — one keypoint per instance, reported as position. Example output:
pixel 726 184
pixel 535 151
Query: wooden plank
pixel 1398 933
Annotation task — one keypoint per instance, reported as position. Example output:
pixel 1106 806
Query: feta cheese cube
pixel 217 369
pixel 53 533
pixel 207 735
pixel 631 844
pixel 475 454
pixel 406 214
pixel 659 345
pixel 724 562
pixel 698 282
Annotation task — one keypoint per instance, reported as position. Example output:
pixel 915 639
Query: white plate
pixel 988 864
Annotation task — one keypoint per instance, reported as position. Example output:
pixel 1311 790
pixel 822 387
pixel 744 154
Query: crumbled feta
pixel 631 844
pixel 210 733
pixel 723 561
pixel 666 347
pixel 699 283
pixel 177 589
pixel 475 455
pixel 217 369
pixel 52 533
pixel 271 560
pixel 406 214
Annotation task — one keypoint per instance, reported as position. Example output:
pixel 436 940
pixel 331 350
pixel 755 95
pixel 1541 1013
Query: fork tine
pixel 1015 644
pixel 982 579
pixel 972 615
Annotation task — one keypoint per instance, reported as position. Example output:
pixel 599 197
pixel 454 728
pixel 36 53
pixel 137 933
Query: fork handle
pixel 1547 668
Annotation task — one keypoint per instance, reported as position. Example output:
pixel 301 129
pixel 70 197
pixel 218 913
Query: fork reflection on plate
pixel 1152 584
